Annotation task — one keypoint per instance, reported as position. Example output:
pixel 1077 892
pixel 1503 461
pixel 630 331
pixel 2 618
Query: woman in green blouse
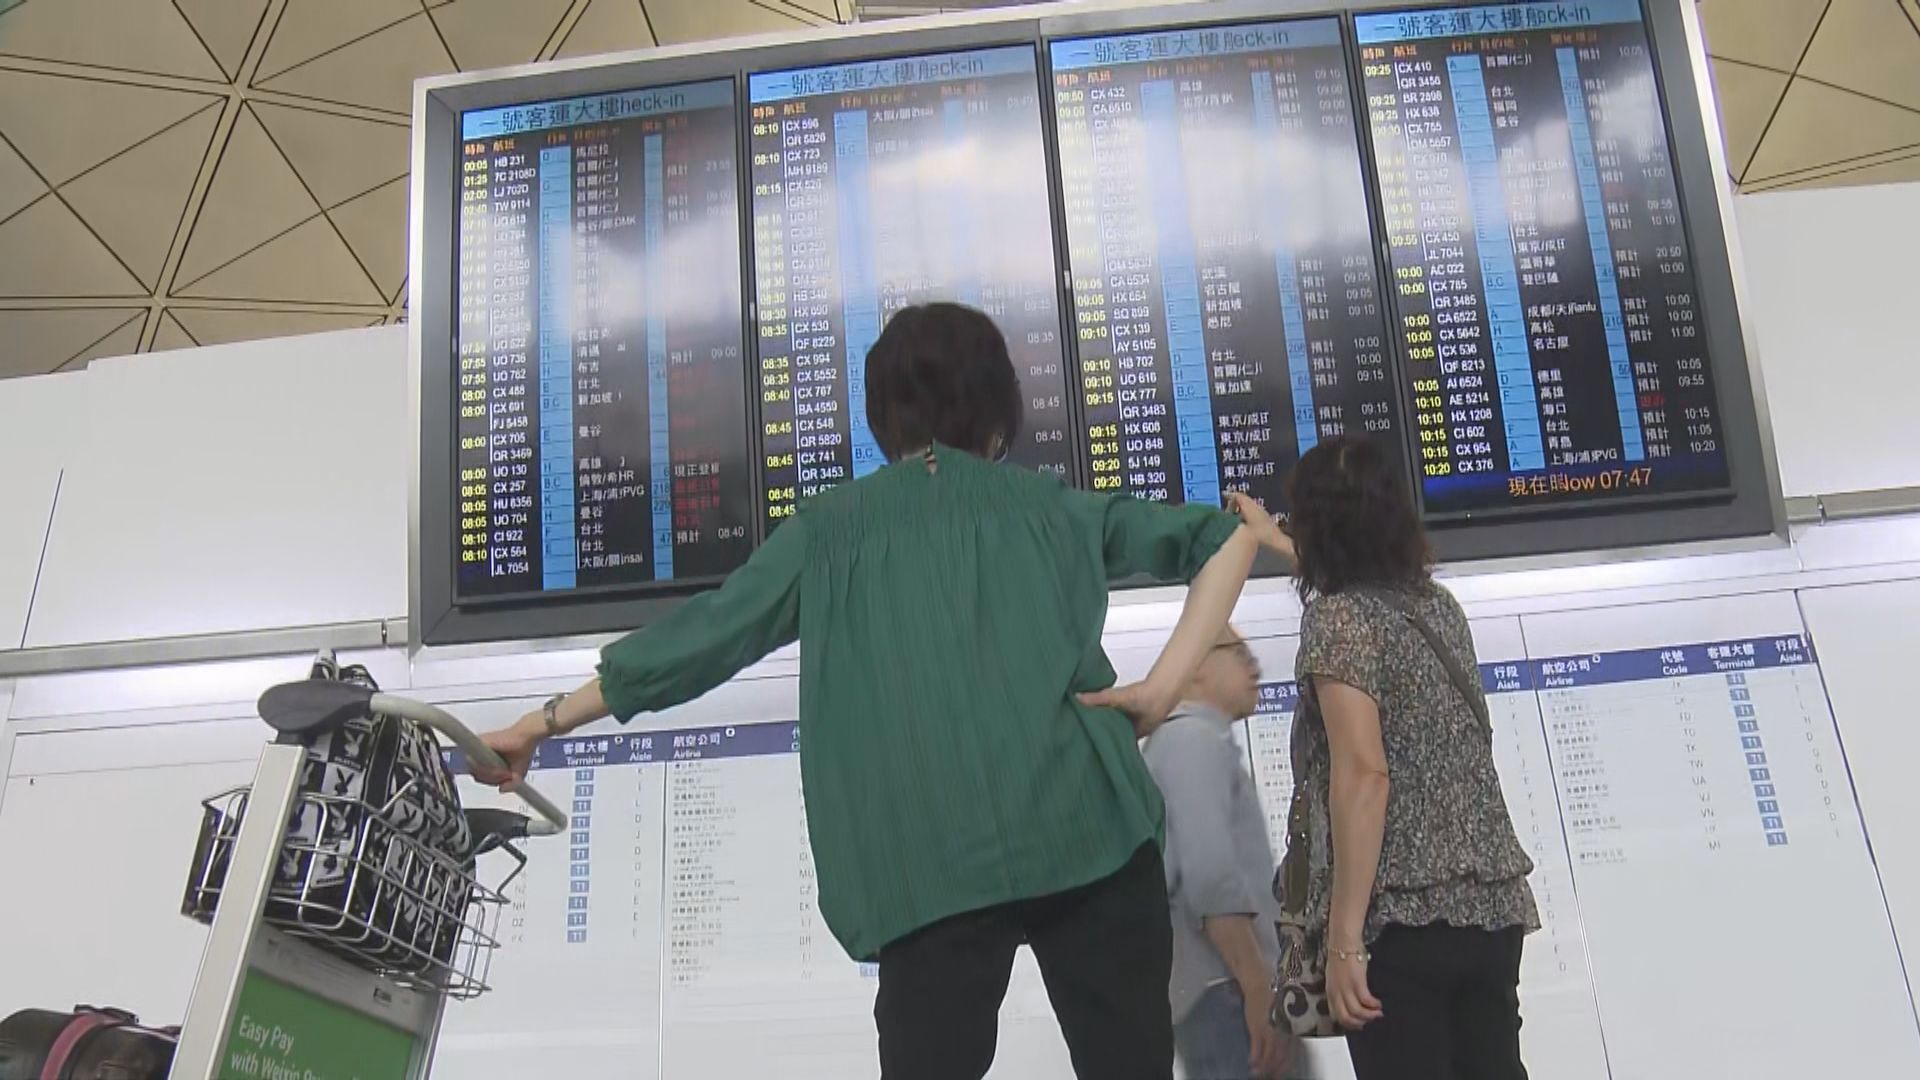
pixel 972 777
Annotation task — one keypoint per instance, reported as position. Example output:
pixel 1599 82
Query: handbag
pixel 1300 975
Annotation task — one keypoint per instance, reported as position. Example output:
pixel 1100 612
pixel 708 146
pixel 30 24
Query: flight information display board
pixel 1543 281
pixel 1226 294
pixel 885 183
pixel 603 423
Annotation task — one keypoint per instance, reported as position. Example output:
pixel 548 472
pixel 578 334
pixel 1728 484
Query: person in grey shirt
pixel 1219 879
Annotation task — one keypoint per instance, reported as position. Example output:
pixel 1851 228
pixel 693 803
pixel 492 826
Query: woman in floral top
pixel 1415 871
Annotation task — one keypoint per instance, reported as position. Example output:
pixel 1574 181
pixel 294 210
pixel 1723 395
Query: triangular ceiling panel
pixel 1770 33
pixel 608 26
pixel 226 27
pixel 376 72
pixel 311 263
pixel 375 227
pixel 338 156
pixel 18 185
pixel 678 24
pixel 1746 97
pixel 124 341
pixel 211 326
pixel 497 33
pixel 133 202
pixel 1806 134
pixel 30 239
pixel 1871 48
pixel 66 126
pixel 148 36
pixel 169 335
pixel 308 28
pixel 1904 169
pixel 35 341
pixel 254 197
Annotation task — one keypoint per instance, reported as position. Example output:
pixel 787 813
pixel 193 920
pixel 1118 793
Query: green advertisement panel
pixel 281 1032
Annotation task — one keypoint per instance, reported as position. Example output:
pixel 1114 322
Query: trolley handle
pixel 299 708
pixel 555 820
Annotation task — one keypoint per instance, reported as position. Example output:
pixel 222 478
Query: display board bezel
pixel 1749 504
pixel 1752 515
pixel 444 616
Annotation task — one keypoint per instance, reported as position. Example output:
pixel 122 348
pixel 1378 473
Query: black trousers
pixel 1450 1005
pixel 1105 951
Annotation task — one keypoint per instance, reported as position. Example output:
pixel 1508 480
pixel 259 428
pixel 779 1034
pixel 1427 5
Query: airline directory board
pixel 1673 771
pixel 1212 239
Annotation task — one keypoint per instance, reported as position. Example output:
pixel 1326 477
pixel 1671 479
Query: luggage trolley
pixel 338 935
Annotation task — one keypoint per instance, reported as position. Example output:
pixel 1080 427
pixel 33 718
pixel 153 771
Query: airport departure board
pixel 885 183
pixel 603 423
pixel 1543 281
pixel 1226 293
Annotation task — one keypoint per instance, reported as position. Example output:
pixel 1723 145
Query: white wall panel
pixel 239 487
pixel 1831 298
pixel 1867 637
pixel 128 742
pixel 93 909
pixel 39 419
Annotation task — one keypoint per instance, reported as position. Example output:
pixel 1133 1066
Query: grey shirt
pixel 1217 856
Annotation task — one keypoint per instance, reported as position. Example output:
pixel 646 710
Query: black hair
pixel 940 373
pixel 1352 519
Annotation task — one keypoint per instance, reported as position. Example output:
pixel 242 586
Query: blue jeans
pixel 1212 1042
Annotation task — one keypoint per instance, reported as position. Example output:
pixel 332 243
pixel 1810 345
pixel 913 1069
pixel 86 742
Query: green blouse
pixel 946 620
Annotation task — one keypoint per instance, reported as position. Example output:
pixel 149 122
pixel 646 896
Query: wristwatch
pixel 551 713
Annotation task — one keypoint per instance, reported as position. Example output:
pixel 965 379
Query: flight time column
pixel 475 274
pixel 774 273
pixel 1079 97
pixel 1421 199
pixel 511 438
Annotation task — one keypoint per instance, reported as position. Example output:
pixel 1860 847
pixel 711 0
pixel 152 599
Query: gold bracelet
pixel 1360 954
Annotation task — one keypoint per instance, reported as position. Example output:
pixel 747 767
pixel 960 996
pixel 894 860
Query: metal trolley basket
pixel 339 925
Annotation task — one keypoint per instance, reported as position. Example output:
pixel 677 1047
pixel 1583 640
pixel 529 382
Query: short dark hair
pixel 1352 519
pixel 940 373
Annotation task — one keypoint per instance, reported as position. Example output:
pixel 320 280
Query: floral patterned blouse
pixel 1449 853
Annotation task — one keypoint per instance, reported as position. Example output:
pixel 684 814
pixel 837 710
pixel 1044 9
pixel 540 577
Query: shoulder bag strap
pixel 1290 877
pixel 1464 683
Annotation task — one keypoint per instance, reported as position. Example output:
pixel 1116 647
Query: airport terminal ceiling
pixel 206 171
